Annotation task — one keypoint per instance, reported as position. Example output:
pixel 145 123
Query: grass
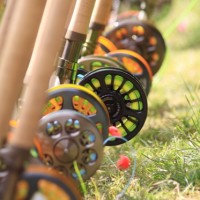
pixel 167 149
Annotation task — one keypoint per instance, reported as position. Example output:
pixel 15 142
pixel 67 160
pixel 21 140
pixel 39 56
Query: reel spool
pixel 124 98
pixel 40 182
pixel 80 99
pixel 66 136
pixel 123 59
pixel 140 37
pixel 136 65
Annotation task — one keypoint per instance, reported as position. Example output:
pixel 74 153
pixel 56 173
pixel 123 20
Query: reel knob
pixel 67 136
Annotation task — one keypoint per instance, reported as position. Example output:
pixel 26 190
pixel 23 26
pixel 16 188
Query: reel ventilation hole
pixel 123 96
pixel 66 136
pixel 78 98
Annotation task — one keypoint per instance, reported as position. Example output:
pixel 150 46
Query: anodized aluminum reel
pixel 136 65
pixel 140 37
pixel 67 136
pixel 124 98
pixel 80 99
pixel 123 59
pixel 41 182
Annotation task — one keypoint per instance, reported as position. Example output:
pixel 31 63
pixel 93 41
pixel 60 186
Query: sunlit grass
pixel 168 147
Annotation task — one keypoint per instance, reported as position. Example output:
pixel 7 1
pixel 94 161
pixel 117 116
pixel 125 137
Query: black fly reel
pixel 67 136
pixel 141 37
pixel 40 182
pixel 124 98
pixel 80 99
pixel 122 59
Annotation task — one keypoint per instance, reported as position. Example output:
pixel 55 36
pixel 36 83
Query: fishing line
pixel 82 184
pixel 122 193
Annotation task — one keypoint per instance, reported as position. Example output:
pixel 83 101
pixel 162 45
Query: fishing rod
pixel 16 152
pixel 16 54
pixel 78 138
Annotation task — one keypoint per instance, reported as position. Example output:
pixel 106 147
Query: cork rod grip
pixel 70 7
pixel 17 49
pixel 51 32
pixel 6 18
pixel 101 13
pixel 81 17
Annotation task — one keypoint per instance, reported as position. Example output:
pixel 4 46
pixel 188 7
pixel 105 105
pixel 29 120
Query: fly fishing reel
pixel 136 65
pixel 67 136
pixel 140 37
pixel 40 182
pixel 122 59
pixel 80 99
pixel 123 96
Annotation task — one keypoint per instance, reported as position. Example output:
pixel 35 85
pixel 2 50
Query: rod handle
pixel 101 13
pixel 79 23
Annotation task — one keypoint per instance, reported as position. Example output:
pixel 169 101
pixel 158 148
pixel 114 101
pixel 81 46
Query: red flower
pixel 114 131
pixel 123 163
